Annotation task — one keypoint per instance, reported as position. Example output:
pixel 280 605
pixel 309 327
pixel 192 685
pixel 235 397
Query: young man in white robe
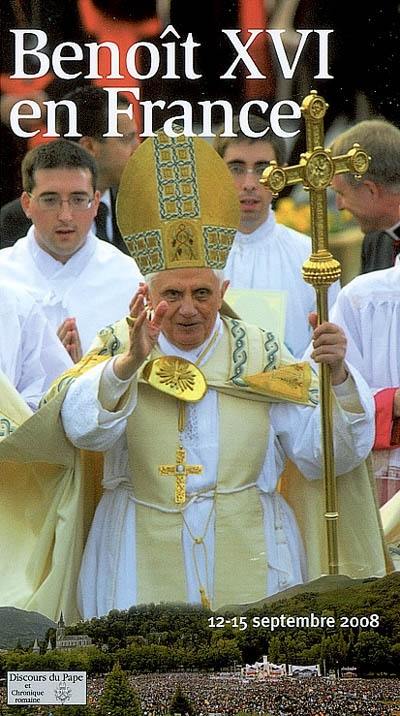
pixel 196 414
pixel 368 309
pixel 81 283
pixel 31 356
pixel 264 254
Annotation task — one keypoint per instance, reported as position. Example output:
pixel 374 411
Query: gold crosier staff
pixel 315 171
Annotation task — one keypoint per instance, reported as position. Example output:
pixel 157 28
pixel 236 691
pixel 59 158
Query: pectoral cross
pixel 180 471
pixel 315 171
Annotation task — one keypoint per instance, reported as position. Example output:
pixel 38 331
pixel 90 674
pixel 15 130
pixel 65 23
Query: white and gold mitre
pixel 177 205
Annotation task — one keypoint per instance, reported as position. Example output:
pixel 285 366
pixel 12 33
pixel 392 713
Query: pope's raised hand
pixel 143 334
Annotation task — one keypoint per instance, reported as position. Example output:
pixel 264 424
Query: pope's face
pixel 194 297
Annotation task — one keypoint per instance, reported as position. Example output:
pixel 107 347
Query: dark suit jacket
pixel 14 224
pixel 377 251
pixel 117 239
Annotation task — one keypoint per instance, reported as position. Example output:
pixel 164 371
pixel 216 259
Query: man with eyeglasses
pixel 266 255
pixel 110 154
pixel 82 283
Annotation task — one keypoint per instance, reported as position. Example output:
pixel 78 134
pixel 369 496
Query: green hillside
pixel 19 626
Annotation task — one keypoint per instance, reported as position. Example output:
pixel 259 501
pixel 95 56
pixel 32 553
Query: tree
pixel 119 698
pixel 334 651
pixel 372 652
pixel 275 654
pixel 180 704
pixel 72 711
pixel 395 654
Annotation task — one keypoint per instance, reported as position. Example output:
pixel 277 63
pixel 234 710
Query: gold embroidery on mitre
pixel 291 382
pixel 183 244
pixel 177 377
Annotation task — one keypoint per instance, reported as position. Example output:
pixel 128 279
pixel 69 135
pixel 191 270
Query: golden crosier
pixel 315 171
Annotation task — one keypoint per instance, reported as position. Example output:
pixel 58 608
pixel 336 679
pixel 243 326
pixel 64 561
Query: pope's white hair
pixel 217 272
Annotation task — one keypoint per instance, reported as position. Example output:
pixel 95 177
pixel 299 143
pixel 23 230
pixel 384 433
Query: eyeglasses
pixel 54 202
pixel 238 169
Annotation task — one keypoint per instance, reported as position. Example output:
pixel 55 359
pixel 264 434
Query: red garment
pixel 252 16
pixel 387 428
pixel 123 33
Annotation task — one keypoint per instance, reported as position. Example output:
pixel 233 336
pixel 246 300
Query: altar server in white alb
pixel 368 309
pixel 81 282
pixel 31 356
pixel 266 255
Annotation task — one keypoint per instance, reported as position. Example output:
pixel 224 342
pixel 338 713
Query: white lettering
pixel 189 46
pixel 131 60
pixel 187 117
pixel 148 107
pixel 94 49
pixel 243 55
pixel 114 111
pixel 21 52
pixel 207 117
pixel 51 118
pixel 287 70
pixel 276 117
pixel 244 118
pixel 58 58
pixel 16 116
pixel 323 55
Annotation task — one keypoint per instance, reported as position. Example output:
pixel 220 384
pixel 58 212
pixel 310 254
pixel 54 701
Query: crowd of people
pixel 285 696
pixel 230 694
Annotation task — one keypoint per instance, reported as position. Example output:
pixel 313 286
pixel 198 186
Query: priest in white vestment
pixel 31 356
pixel 81 283
pixel 196 414
pixel 267 255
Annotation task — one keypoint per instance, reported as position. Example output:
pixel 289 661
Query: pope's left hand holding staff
pixel 197 414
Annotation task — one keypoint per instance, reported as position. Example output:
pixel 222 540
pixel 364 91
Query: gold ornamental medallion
pixel 177 377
